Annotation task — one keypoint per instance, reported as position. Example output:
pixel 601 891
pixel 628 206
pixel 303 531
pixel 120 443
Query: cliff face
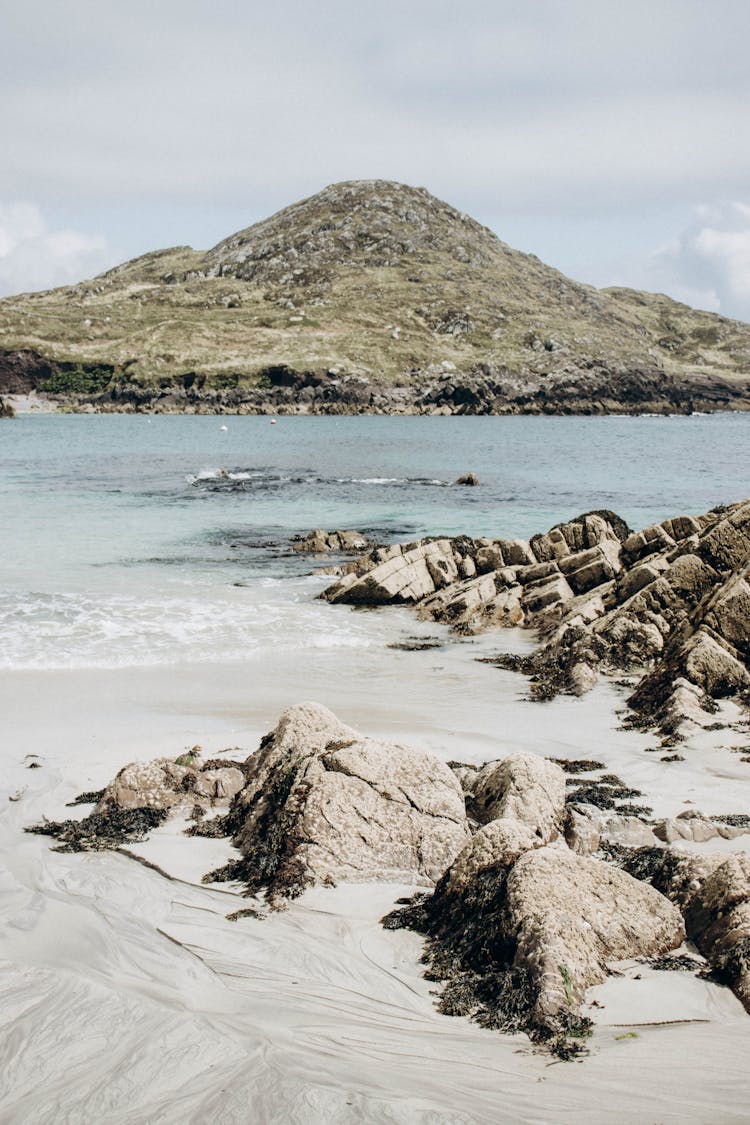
pixel 370 296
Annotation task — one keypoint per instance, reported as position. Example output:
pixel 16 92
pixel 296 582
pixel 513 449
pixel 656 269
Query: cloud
pixel 709 264
pixel 545 104
pixel 34 257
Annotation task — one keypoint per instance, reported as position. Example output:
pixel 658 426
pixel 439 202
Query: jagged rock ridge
pixel 671 601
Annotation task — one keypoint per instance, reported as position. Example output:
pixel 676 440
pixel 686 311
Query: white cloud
pixel 709 264
pixel 34 257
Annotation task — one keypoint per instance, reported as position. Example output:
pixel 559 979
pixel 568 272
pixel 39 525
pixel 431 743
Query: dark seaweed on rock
pixel 470 950
pixel 654 865
pixel 101 831
pixel 734 820
pixel 90 797
pixel 578 765
pixel 729 966
pixel 602 795
pixel 271 859
pixel 675 963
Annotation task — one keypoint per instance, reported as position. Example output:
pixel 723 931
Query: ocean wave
pixel 64 631
pixel 244 479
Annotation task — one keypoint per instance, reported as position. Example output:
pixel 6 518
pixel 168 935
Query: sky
pixel 611 139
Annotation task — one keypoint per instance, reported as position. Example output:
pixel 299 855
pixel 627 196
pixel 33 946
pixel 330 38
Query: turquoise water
pixel 148 539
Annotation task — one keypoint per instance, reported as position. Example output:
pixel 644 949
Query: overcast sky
pixel 612 139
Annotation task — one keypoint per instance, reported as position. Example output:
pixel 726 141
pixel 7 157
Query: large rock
pixel 172 786
pixel 407 576
pixel 570 916
pixel 718 921
pixel 519 932
pixel 524 787
pixel 324 804
pixel 497 844
pixel 713 893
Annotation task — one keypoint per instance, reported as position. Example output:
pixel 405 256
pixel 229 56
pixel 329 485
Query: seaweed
pixel 270 862
pixel 596 793
pixel 658 866
pixel 101 831
pixel 90 797
pixel 472 952
pixel 734 820
pixel 643 812
pixel 577 765
pixel 731 965
pixel 675 963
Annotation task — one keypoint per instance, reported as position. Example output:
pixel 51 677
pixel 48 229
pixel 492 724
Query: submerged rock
pixel 324 804
pixel 321 542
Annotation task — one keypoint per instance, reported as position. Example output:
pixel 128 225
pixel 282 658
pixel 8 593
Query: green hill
pixel 382 290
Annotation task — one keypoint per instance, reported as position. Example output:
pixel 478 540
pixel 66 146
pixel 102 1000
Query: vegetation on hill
pixel 374 281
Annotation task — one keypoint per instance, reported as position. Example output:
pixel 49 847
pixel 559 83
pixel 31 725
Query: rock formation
pixel 519 931
pixel 321 542
pixel 173 785
pixel 323 804
pixel 713 893
pixel 671 602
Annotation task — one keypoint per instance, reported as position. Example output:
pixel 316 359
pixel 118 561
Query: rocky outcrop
pixel 518 932
pixel 172 785
pixel 6 410
pixel 713 893
pixel 324 804
pixel 671 602
pixel 320 542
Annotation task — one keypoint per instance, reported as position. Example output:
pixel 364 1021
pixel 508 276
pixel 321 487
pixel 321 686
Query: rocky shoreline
pixel 537 895
pixel 441 389
pixel 540 875
pixel 668 605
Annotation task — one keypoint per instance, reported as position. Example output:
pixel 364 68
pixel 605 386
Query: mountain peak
pixel 353 224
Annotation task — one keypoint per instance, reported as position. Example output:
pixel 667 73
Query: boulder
pixel 499 843
pixel 718 921
pixel 489 557
pixel 324 804
pixel 523 787
pixel 171 786
pixel 582 829
pixel 570 916
pixel 519 940
pixel 470 480
pixel 406 577
pixel 726 545
pixel 320 541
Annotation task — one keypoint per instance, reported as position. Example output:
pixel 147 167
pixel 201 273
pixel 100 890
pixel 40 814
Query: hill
pixel 369 296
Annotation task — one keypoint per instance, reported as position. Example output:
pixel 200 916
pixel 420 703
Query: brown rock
pixel 324 804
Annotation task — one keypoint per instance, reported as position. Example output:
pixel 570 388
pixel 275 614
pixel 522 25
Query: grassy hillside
pixel 367 278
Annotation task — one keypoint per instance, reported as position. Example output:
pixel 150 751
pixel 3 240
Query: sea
pixel 143 540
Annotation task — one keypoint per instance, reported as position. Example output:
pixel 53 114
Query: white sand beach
pixel 127 996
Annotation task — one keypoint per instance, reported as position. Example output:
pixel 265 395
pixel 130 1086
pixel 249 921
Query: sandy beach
pixel 128 996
